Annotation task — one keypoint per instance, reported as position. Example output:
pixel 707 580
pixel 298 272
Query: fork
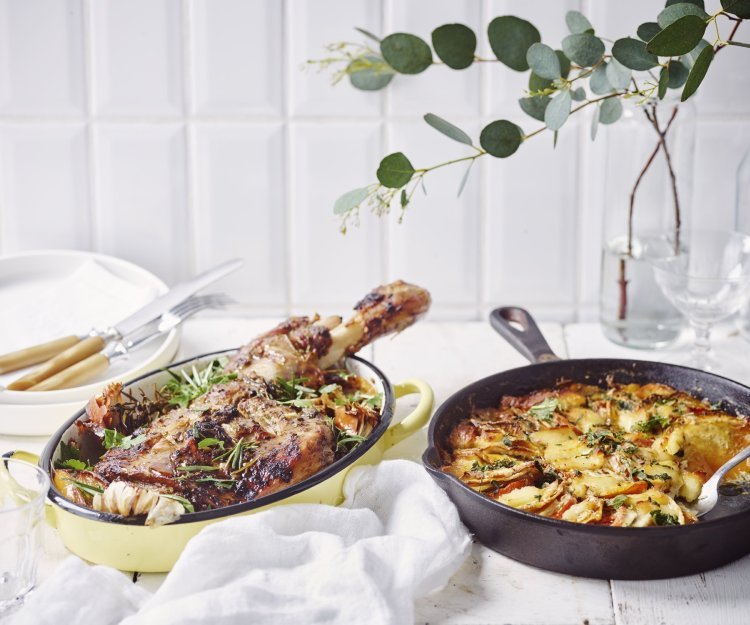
pixel 97 363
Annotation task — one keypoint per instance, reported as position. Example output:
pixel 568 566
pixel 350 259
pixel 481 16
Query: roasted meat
pixel 271 416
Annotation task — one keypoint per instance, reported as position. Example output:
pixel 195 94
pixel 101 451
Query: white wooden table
pixel 489 588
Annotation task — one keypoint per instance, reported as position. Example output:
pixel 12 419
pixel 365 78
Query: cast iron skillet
pixel 589 550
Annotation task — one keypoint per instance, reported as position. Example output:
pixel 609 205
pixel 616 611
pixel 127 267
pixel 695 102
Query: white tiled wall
pixel 178 133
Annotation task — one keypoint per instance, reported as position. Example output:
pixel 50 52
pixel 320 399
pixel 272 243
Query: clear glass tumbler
pixel 23 489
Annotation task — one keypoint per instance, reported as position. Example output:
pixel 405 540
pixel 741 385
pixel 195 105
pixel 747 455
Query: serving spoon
pixel 709 496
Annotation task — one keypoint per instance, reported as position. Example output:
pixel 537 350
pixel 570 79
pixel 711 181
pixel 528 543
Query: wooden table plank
pixel 720 597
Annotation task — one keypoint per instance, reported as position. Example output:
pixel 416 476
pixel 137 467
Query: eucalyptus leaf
pixel 510 38
pixel 455 45
pixel 395 171
pixel 578 94
pixel 537 83
pixel 543 61
pixel 648 30
pixel 369 73
pixel 674 12
pixel 618 75
pixel 610 111
pixel 564 63
pixel 679 37
pixel 407 54
pixel 578 23
pixel 535 106
pixel 663 83
pixel 698 72
pixel 367 33
pixel 501 138
pixel 448 129
pixel 464 179
pixel 558 110
pixel 740 8
pixel 595 123
pixel 632 53
pixel 583 48
pixel 599 83
pixel 350 200
pixel 689 59
pixel 678 74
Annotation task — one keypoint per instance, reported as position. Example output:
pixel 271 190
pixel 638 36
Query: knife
pixel 96 363
pixel 88 345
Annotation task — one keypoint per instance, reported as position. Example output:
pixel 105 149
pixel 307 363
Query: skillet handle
pixel 529 341
pixel 415 420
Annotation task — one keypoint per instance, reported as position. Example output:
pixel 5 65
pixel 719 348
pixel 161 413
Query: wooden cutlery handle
pixel 35 354
pixel 75 374
pixel 70 356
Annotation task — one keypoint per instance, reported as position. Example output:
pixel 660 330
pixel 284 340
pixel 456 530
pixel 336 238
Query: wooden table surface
pixel 489 588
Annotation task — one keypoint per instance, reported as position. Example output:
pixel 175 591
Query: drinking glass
pixel 707 279
pixel 23 489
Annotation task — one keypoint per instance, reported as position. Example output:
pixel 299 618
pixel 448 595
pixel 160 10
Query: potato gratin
pixel 632 455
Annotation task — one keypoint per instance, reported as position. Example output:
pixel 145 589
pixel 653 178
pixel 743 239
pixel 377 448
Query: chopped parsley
pixel 501 463
pixel 544 409
pixel 210 442
pixel 70 458
pixel 604 440
pixel 662 518
pixel 654 423
pixel 113 438
pixel 617 501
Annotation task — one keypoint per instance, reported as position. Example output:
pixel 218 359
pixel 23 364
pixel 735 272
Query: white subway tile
pixel 438 89
pixel 137 57
pixel 237 56
pixel 719 149
pixel 43 187
pixel 530 233
pixel 141 196
pixel 436 245
pixel 312 25
pixel 240 199
pixel 41 57
pixel 328 268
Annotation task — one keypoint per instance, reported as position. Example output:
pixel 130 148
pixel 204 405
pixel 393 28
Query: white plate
pixel 23 276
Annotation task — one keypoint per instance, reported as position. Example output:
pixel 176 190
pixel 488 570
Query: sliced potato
pixel 586 511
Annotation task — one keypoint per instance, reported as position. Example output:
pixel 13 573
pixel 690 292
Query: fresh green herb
pixel 618 501
pixel 630 449
pixel 548 475
pixel 647 477
pixel 507 441
pixel 662 518
pixel 654 423
pixel 183 388
pixel 233 458
pixel 210 442
pixel 192 468
pixel 343 440
pixel 604 440
pixel 185 503
pixel 221 483
pixel 88 489
pixel 544 409
pixel 113 438
pixel 500 463
pixel 72 463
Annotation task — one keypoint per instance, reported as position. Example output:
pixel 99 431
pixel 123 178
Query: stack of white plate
pixel 22 278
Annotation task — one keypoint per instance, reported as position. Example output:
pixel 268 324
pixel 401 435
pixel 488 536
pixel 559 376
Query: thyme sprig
pixel 183 387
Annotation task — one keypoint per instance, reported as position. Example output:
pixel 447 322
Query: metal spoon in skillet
pixel 709 496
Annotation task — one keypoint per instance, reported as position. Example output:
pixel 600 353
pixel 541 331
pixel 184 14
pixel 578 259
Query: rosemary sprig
pixel 233 458
pixel 192 468
pixel 88 489
pixel 185 503
pixel 186 386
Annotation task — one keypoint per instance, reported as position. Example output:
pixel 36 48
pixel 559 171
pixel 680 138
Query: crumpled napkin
pixel 396 537
pixel 90 296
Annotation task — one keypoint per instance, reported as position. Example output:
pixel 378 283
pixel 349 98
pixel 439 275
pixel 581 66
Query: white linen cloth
pixel 396 537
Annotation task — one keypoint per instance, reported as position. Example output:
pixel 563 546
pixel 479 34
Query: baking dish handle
pixel 418 417
pixel 31 458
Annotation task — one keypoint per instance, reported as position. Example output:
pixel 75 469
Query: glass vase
pixel 742 224
pixel 649 191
